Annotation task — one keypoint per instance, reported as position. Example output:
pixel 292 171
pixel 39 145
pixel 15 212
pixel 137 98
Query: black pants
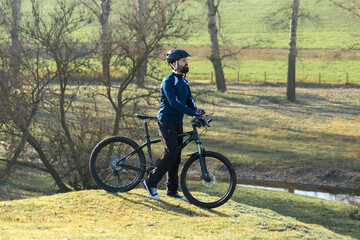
pixel 169 162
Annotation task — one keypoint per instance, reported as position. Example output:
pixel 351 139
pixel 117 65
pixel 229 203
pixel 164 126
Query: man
pixel 176 100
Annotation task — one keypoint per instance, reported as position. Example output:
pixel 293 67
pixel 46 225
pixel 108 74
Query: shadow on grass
pixel 163 205
pixel 330 216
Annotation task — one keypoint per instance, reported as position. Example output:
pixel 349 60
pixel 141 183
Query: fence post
pixel 319 78
pixel 211 77
pixel 238 77
pixel 265 77
pixel 347 78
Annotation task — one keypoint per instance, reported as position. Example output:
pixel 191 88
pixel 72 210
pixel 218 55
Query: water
pixel 334 194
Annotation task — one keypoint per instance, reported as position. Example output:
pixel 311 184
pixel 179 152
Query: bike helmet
pixel 175 54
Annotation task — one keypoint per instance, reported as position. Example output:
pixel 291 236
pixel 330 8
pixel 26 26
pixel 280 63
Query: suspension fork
pixel 205 174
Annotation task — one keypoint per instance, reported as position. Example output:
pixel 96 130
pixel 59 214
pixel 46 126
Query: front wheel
pixel 208 191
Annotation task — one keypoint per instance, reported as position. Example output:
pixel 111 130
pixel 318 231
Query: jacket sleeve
pixel 174 102
pixel 190 102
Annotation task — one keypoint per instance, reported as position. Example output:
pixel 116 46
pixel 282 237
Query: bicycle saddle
pixel 145 117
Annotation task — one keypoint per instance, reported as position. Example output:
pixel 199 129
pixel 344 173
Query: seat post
pixel 148 141
pixel 147 131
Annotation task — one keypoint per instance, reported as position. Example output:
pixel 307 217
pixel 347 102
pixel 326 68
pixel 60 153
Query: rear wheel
pixel 115 166
pixel 215 189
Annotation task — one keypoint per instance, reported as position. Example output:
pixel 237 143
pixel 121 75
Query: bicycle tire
pixel 121 179
pixel 215 192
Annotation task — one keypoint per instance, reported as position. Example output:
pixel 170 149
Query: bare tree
pixel 280 19
pixel 143 10
pixel 215 50
pixel 102 11
pixel 21 103
pixel 54 32
pixel 290 91
pixel 15 37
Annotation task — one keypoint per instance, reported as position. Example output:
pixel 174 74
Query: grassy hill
pixel 132 215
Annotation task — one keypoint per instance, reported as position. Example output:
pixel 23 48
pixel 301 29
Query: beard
pixel 185 69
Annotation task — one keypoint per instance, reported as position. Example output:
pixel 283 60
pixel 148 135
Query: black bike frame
pixel 193 136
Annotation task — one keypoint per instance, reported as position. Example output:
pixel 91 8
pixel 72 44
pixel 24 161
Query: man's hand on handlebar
pixel 199 112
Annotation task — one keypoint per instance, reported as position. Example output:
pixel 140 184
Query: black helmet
pixel 175 54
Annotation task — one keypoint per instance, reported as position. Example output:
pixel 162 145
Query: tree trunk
pixel 215 51
pixel 290 92
pixel 32 141
pixel 11 163
pixel 105 40
pixel 15 38
pixel 79 165
pixel 143 11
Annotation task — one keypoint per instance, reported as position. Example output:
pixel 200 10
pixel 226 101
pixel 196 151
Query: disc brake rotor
pixel 211 182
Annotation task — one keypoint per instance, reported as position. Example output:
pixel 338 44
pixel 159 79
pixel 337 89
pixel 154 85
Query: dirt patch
pixel 336 178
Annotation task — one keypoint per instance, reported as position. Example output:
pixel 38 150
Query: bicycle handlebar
pixel 199 121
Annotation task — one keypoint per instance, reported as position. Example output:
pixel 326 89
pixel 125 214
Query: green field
pixel 246 23
pixel 307 71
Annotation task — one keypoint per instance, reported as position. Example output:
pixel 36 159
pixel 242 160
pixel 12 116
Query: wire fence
pixel 209 77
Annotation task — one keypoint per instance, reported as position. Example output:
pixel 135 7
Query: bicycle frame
pixel 193 136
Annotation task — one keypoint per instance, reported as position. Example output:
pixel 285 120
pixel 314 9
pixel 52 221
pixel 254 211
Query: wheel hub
pixel 116 163
pixel 209 181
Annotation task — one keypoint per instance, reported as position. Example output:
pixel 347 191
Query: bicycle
pixel 208 179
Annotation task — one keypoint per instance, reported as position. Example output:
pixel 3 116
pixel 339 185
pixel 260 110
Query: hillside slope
pixel 101 215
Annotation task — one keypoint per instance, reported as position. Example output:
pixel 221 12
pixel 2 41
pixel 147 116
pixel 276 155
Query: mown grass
pixel 254 71
pixel 132 215
pixel 246 23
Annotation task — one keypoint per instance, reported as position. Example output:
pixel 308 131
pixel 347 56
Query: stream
pixel 323 192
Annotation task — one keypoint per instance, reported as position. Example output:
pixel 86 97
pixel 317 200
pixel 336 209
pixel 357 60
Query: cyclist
pixel 176 100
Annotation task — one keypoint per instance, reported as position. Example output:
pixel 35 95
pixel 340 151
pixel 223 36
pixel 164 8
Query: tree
pixel 20 104
pixel 215 50
pixel 290 91
pixel 15 37
pixel 102 13
pixel 143 11
pixel 279 19
pixel 54 32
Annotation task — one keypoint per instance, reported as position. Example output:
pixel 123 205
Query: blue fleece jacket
pixel 176 99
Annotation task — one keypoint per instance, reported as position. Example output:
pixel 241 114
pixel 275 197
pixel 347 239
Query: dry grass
pixel 100 215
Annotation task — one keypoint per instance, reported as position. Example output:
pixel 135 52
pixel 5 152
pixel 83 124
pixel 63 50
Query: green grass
pixel 257 125
pixel 307 71
pixel 101 215
pixel 245 23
